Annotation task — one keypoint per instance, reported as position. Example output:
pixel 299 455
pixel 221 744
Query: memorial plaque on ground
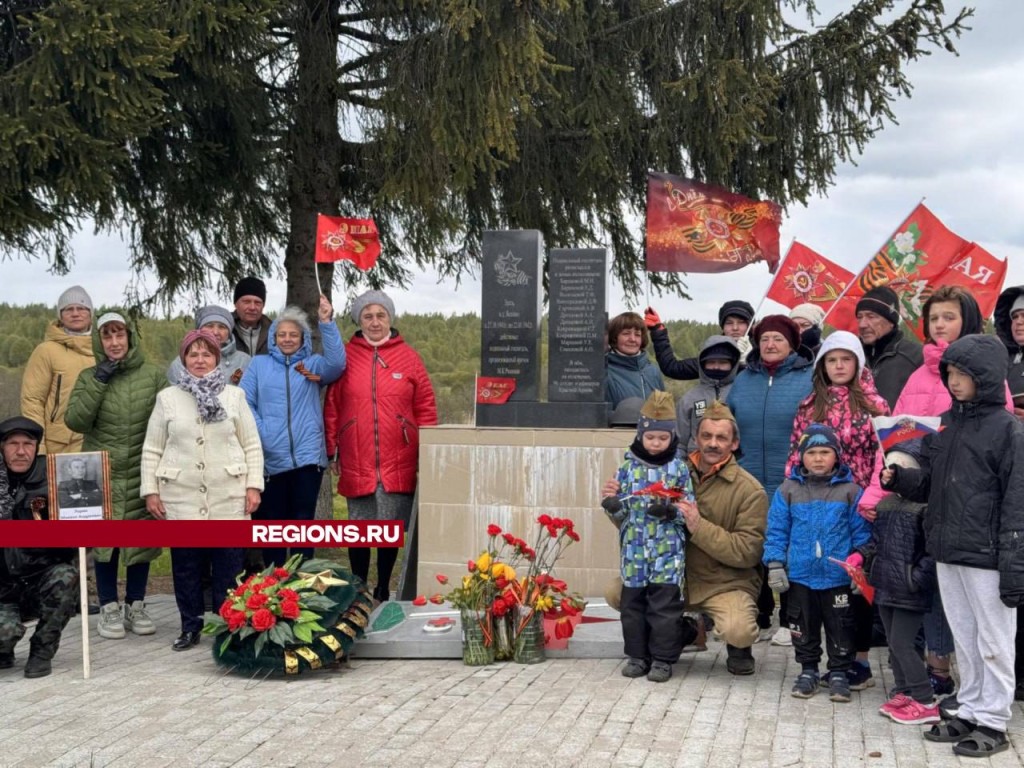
pixel 510 315
pixel 577 285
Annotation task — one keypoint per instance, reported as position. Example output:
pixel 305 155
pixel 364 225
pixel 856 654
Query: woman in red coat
pixel 372 419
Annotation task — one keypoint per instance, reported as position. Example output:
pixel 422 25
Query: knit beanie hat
pixel 192 336
pixel 75 296
pixel 812 313
pixel 658 414
pixel 819 436
pixel 777 324
pixel 251 286
pixel 359 303
pixel 881 300
pixel 215 314
pixel 1018 305
pixel 735 308
pixel 842 340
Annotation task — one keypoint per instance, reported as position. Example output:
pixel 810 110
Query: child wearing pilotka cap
pixel 972 476
pixel 653 542
pixel 813 517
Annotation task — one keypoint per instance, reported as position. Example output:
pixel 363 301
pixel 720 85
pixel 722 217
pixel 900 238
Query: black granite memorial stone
pixel 577 286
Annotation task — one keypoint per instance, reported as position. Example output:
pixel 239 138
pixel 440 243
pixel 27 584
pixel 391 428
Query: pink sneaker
pixel 898 701
pixel 916 713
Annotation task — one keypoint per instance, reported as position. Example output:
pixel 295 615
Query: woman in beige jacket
pixel 201 460
pixel 53 369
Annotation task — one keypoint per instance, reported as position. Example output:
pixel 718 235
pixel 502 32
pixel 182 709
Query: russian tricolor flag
pixel 893 430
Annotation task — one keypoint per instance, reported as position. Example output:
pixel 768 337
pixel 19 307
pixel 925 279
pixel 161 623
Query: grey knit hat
pixel 359 303
pixel 215 314
pixel 75 296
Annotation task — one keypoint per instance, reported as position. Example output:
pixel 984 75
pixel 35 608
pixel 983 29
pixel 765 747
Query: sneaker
pixel 765 634
pixel 661 672
pixel 916 713
pixel 782 637
pixel 897 701
pixel 943 685
pixel 636 668
pixel 111 622
pixel 806 685
pixel 949 707
pixel 859 677
pixel 839 687
pixel 137 620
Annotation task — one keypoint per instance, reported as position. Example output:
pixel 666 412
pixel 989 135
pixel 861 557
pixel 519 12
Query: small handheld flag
pixel 342 238
pixel 893 430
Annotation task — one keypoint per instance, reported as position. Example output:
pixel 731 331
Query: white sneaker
pixel 766 634
pixel 782 637
pixel 111 623
pixel 137 620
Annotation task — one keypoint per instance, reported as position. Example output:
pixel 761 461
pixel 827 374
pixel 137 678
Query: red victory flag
pixel 340 237
pixel 979 272
pixel 808 277
pixel 920 252
pixel 494 390
pixel 694 227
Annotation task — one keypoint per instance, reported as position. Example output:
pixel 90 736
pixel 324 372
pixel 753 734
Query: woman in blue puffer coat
pixel 283 391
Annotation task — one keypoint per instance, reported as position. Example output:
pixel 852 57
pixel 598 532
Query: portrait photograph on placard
pixel 79 485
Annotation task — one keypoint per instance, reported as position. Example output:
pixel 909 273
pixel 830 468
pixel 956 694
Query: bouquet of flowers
pixel 287 620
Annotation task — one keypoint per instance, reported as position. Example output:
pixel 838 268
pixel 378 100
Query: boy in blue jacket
pixel 813 516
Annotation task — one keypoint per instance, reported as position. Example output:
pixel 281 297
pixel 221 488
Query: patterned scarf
pixel 6 497
pixel 205 390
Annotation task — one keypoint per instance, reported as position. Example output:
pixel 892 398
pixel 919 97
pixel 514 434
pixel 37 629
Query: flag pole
pixel 778 273
pixel 878 250
pixel 83 595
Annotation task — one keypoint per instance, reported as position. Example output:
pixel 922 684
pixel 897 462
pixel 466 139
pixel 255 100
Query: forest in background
pixel 449 345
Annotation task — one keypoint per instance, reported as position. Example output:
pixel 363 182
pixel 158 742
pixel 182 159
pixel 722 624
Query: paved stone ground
pixel 148 706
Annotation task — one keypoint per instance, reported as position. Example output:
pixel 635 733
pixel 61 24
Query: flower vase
pixel 530 637
pixel 477 638
pixel 504 637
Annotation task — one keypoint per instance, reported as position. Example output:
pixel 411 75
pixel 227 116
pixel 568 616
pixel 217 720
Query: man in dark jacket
pixel 34 583
pixel 891 357
pixel 734 318
pixel 252 327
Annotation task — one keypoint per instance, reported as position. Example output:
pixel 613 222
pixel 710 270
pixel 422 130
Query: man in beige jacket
pixel 53 369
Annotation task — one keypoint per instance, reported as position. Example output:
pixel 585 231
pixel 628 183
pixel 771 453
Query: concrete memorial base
pixel 598 636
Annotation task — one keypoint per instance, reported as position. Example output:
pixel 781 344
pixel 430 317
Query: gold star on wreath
pixel 322 581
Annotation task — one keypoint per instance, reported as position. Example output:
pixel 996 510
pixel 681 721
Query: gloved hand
pixel 777 578
pixel 105 370
pixel 662 511
pixel 611 504
pixel 651 319
pixel 855 560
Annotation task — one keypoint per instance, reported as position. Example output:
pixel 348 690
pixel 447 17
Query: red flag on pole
pixel 979 272
pixel 694 227
pixel 920 251
pixel 340 237
pixel 494 390
pixel 808 277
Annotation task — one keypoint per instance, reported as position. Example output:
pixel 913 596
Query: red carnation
pixel 235 620
pixel 437 599
pixel 256 601
pixel 225 608
pixel 269 581
pixel 552 531
pixel 471 565
pixel 563 628
pixel 509 539
pixel 572 534
pixel 282 573
pixel 529 553
pixel 493 530
pixel 569 608
pixel 441 578
pixel 499 608
pixel 501 582
pixel 543 579
pixel 288 594
pixel 558 585
pixel 290 609
pixel 545 520
pixel 419 600
pixel 263 620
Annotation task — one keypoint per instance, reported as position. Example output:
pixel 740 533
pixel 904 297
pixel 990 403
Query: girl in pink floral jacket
pixel 845 399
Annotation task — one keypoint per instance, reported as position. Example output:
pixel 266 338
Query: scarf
pixel 205 391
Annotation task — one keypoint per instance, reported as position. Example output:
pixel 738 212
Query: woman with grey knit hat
pixel 372 419
pixel 221 323
pixel 53 369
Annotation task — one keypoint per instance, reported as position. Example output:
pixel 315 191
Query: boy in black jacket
pixel 972 476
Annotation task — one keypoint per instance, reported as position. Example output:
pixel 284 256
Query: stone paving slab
pixel 149 706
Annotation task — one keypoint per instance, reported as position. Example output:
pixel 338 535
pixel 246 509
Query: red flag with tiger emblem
pixel 807 277
pixel 695 227
pixel 912 262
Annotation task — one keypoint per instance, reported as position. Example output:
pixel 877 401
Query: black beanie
pixel 883 301
pixel 740 309
pixel 251 286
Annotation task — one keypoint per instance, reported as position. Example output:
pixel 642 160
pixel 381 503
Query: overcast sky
pixel 958 145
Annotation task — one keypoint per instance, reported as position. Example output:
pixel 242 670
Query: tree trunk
pixel 314 148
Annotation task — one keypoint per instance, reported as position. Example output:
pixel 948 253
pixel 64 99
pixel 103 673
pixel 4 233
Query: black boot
pixel 740 661
pixel 6 659
pixel 37 667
